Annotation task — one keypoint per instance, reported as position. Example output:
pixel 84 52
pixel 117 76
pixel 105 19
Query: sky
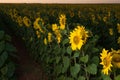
pixel 59 1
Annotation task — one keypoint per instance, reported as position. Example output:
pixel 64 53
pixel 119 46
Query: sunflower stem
pixel 114 73
pixel 86 73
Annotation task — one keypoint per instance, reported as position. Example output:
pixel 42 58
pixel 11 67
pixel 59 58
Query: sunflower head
pixel 26 21
pixel 118 40
pixel 78 37
pixel 116 58
pixel 54 27
pixel 62 19
pixel 45 41
pixel 106 60
pixel 111 31
pixel 49 37
pixel 118 27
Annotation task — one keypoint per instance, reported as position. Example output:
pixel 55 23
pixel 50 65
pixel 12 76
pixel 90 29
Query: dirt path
pixel 27 69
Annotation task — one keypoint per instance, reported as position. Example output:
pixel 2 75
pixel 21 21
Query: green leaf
pixel 84 59
pixel 106 77
pixel 7 38
pixel 76 54
pixel 92 69
pixel 117 77
pixel 10 48
pixel 1 34
pixel 94 50
pixel 74 70
pixel 3 58
pixel 68 78
pixel 95 60
pixel 4 70
pixel 81 78
pixel 69 50
pixel 66 64
pixel 61 78
pixel 57 59
pixel 58 69
pixel 11 69
pixel 65 41
pixel 2 46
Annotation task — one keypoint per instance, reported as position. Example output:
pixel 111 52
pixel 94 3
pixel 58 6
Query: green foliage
pixel 74 70
pixel 7 67
pixel 117 77
pixel 58 58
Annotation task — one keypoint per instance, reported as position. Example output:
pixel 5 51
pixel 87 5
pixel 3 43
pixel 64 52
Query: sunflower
pixel 111 31
pixel 37 26
pixel 58 36
pixel 78 37
pixel 106 59
pixel 118 27
pixel 116 58
pixel 62 21
pixel 118 40
pixel 38 34
pixel 49 37
pixel 45 41
pixel 26 21
pixel 19 21
pixel 54 27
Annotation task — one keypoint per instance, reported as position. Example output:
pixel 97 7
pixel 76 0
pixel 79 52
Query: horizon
pixel 62 1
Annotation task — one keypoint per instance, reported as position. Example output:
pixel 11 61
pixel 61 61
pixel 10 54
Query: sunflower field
pixel 71 41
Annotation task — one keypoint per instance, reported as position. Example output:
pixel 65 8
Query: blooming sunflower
pixel 26 21
pixel 54 27
pixel 116 58
pixel 106 60
pixel 62 21
pixel 78 37
pixel 37 25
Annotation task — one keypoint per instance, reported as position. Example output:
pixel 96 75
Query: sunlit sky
pixel 59 1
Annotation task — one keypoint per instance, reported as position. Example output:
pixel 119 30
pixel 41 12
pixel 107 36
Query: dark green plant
pixel 7 67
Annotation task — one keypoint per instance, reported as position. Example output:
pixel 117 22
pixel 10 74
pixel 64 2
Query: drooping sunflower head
pixel 26 21
pixel 106 59
pixel 78 38
pixel 62 21
pixel 116 58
